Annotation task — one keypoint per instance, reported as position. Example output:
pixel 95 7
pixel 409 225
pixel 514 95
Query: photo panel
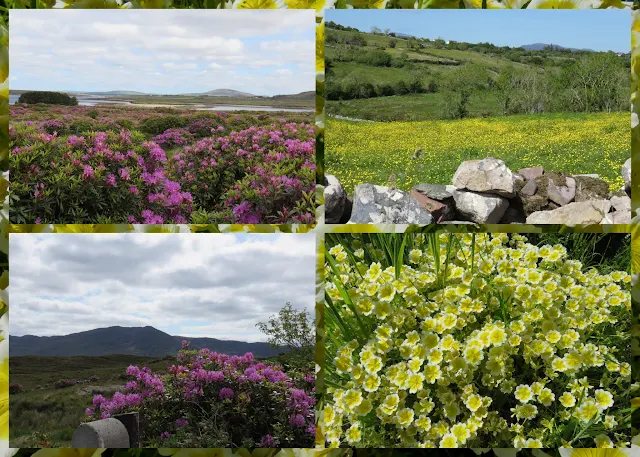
pixel 162 341
pixel 486 117
pixel 154 117
pixel 477 340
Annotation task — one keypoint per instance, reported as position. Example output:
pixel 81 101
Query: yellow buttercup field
pixel 477 340
pixel 370 152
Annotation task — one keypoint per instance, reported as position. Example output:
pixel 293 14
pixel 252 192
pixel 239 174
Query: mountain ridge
pixel 141 341
pixel 541 46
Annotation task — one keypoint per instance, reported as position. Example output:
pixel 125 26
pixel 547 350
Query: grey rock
pixel 577 213
pixel 482 208
pixel 381 205
pixel 334 199
pixel 102 433
pixel 434 191
pixel 626 173
pixel 531 173
pixel 592 175
pixel 617 217
pixel 529 188
pixel 486 175
pixel 621 203
pixel 562 195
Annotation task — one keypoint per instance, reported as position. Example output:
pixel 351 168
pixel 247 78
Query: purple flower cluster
pixel 146 385
pixel 202 378
pixel 174 137
pixel 235 170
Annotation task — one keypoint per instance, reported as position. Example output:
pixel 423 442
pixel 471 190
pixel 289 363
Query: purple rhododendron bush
pixel 209 399
pixel 79 164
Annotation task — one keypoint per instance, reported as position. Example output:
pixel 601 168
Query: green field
pixel 50 414
pixel 410 107
pixel 370 152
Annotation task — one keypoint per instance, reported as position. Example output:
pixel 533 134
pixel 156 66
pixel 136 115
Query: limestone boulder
pixel 576 213
pixel 486 175
pixel 617 217
pixel 434 191
pixel 529 188
pixel 381 205
pixel 621 203
pixel 482 208
pixel 561 194
pixel 531 172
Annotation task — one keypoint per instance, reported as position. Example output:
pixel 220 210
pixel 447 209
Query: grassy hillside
pixel 44 414
pixel 383 77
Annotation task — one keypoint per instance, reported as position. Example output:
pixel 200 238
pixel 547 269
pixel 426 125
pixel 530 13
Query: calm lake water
pixel 97 101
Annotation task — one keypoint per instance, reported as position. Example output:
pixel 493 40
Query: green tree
pixel 290 328
pixel 597 82
pixel 462 83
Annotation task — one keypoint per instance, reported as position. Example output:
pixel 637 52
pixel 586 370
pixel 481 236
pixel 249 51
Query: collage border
pixel 6 228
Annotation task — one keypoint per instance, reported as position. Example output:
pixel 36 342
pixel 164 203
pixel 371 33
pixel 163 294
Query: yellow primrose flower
pixel 604 399
pixel 353 434
pixel 448 441
pixel 567 400
pixel 524 393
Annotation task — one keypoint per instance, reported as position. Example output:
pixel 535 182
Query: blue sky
pixel 163 51
pixel 600 30
pixel 190 285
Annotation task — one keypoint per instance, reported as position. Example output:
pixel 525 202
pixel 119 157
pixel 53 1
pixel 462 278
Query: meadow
pixel 45 415
pixel 116 164
pixel 359 152
pixel 194 399
pixel 477 340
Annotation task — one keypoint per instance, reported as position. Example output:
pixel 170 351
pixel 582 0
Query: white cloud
pixel 122 49
pixel 188 284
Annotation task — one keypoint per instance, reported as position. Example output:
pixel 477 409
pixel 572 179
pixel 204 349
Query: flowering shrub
pixel 65 169
pixel 254 403
pixel 451 340
pixel 276 187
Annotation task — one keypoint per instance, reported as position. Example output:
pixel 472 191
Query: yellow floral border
pixel 319 6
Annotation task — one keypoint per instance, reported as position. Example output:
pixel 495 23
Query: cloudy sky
pixel 163 51
pixel 194 285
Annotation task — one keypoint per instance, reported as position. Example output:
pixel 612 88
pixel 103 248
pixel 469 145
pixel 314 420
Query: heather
pixel 207 399
pixel 131 165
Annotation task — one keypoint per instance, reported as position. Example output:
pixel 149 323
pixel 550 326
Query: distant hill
pixel 307 96
pixel 140 341
pixel 542 46
pixel 227 93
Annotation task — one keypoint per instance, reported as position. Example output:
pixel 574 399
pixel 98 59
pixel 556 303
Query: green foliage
pixel 291 328
pixel 520 81
pixel 50 98
pixel 159 124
